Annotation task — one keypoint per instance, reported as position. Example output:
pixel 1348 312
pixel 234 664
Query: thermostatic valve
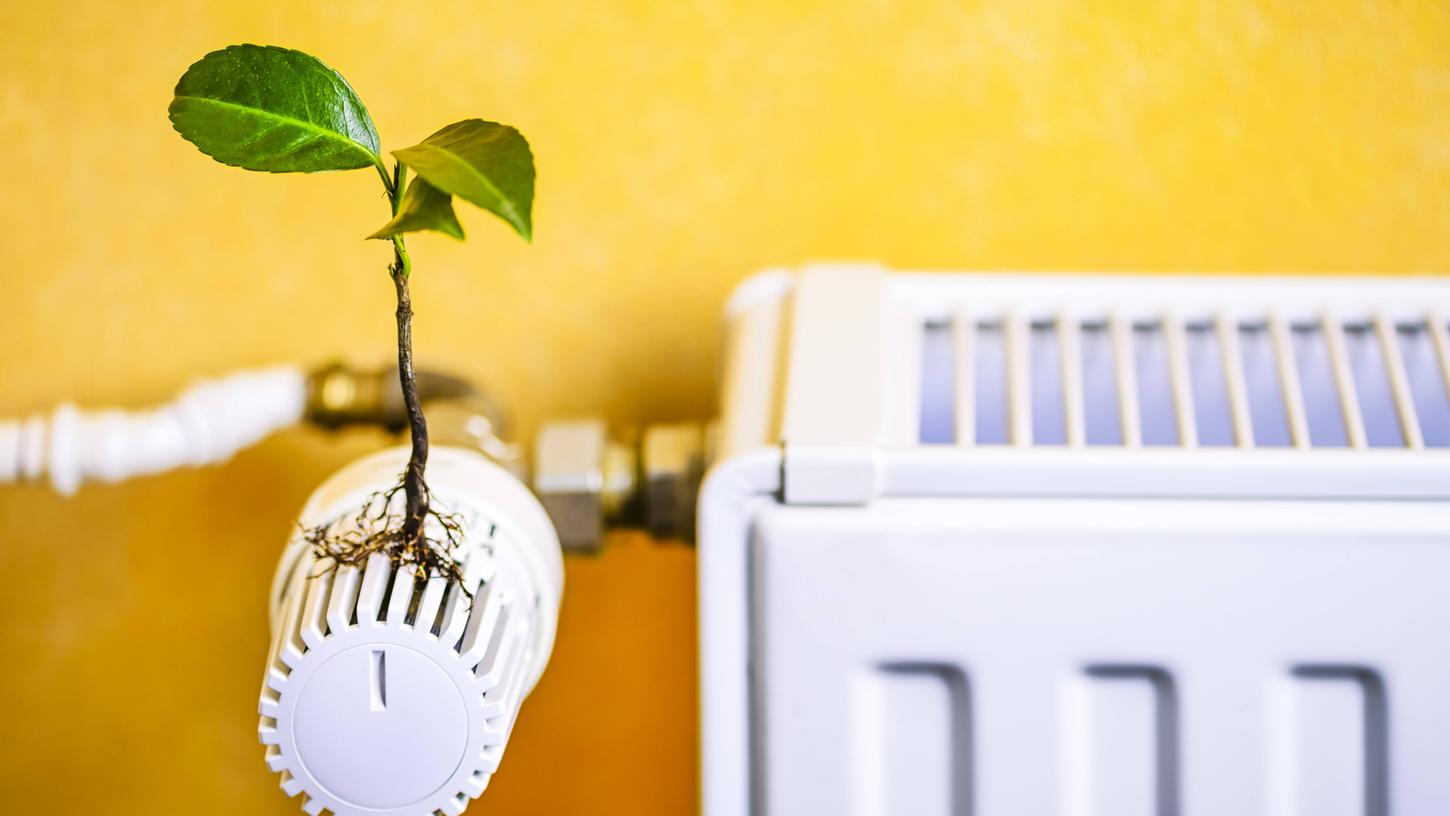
pixel 388 695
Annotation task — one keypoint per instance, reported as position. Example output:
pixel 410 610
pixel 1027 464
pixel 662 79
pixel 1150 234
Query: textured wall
pixel 682 145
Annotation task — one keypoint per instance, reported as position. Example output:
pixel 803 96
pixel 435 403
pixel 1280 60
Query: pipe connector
pixel 459 413
pixel 590 483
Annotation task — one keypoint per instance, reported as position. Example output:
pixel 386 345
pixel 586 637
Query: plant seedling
pixel 276 110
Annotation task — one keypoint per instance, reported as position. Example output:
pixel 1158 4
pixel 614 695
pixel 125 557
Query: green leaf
pixel 261 107
pixel 486 163
pixel 424 207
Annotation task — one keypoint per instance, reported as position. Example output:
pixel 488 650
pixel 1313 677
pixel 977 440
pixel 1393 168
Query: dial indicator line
pixel 379 685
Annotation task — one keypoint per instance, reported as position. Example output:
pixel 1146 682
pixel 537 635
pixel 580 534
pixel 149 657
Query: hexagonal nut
pixel 579 477
pixel 673 463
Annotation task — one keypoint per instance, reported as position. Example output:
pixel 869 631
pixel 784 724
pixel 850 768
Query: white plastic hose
pixel 209 422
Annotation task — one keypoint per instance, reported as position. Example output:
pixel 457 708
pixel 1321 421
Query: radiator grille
pixel 1214 381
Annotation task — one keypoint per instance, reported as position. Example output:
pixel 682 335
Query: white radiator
pixel 991 545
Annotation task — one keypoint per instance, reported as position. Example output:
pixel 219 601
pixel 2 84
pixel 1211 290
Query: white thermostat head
pixel 383 696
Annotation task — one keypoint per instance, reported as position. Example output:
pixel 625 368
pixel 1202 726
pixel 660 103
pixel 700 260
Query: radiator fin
pixel 1123 742
pixel 1331 743
pixel 1207 380
pixel 913 741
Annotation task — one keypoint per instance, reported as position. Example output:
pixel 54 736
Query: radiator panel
pixel 1003 657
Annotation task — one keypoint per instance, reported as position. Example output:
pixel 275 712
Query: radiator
pixel 1000 545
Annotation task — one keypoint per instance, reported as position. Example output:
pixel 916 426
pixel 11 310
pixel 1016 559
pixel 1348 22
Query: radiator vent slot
pixel 1212 381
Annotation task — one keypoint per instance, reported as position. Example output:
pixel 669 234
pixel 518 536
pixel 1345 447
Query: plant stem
pixel 414 488
pixel 389 184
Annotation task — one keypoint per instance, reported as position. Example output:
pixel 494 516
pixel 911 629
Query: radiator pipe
pixel 215 418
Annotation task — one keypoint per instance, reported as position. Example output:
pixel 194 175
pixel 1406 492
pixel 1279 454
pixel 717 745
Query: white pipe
pixel 209 422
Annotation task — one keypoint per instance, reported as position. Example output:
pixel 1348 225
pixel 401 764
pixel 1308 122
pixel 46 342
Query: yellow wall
pixel 681 146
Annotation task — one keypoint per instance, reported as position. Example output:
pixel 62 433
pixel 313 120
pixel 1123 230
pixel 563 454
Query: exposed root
pixel 377 529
